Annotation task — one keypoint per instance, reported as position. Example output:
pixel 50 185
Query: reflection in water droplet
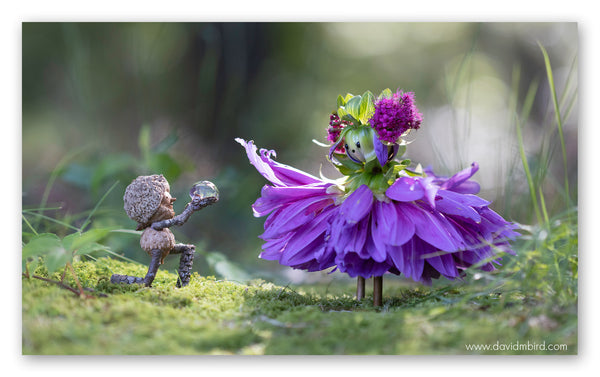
pixel 204 189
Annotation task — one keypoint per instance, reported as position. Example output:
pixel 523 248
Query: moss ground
pixel 213 316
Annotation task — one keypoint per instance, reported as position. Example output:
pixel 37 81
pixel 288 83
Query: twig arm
pixel 184 216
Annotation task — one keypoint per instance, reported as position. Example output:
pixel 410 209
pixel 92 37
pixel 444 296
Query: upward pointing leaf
pixel 347 98
pixel 386 93
pixel 367 107
pixel 353 107
pixel 340 101
pixel 342 112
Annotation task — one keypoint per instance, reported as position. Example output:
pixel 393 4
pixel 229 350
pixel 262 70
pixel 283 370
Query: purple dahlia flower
pixel 300 208
pixel 394 116
pixel 422 227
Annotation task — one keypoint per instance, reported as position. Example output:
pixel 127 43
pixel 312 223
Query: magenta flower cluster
pixel 394 116
pixel 334 130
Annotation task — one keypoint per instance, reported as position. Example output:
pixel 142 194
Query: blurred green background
pixel 105 102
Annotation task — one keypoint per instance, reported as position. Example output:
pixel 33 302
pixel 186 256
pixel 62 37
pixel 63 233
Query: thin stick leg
pixel 185 266
pixel 360 288
pixel 152 268
pixel 377 290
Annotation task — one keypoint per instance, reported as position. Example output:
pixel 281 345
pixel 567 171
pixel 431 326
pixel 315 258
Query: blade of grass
pixel 29 225
pixel 121 256
pixel 527 172
pixel 567 88
pixel 543 205
pixel 54 175
pixel 41 209
pixel 87 220
pixel 558 119
pixel 66 225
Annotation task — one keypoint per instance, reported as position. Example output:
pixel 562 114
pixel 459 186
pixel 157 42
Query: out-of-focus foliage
pixel 105 102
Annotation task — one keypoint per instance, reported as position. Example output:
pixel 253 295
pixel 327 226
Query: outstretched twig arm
pixel 183 217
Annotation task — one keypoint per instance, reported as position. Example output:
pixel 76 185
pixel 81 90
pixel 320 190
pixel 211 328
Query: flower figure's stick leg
pixel 377 290
pixel 153 267
pixel 360 288
pixel 185 263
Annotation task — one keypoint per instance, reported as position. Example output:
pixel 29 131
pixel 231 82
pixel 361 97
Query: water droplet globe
pixel 204 189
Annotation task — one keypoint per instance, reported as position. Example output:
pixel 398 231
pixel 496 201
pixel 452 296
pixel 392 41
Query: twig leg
pixel 126 279
pixel 360 288
pixel 185 265
pixel 377 290
pixel 152 268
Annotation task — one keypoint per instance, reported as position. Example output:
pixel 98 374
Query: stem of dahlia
pixel 377 290
pixel 360 288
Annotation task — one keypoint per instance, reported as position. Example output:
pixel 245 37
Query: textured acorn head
pixel 143 197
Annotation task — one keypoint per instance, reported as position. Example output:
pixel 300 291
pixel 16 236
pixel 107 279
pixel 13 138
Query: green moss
pixel 213 316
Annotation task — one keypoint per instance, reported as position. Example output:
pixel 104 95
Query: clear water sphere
pixel 204 189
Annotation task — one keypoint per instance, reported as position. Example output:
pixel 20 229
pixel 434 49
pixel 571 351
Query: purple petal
pixel 375 242
pixel 357 205
pixel 310 231
pixel 444 264
pixel 467 187
pixel 430 189
pixel 465 199
pixel 433 228
pixel 354 265
pixel 405 227
pixel 381 150
pixel 276 173
pixel 302 255
pixel 407 258
pixel 273 197
pixel 272 248
pixel 460 177
pixel 289 218
pixel 358 236
pixel 405 189
pixel 391 225
pixel 449 206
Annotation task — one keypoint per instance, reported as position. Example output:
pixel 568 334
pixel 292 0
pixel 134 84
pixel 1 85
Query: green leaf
pixel 57 258
pixel 77 241
pixel 78 174
pixel 112 166
pixel 342 112
pixel 51 248
pixel 346 164
pixel 401 151
pixel 385 93
pixel 167 142
pixel 40 245
pixel 91 248
pixel 367 107
pixel 353 107
pixel 340 101
pixel 347 98
pixel 144 141
pixel 224 267
pixel 162 163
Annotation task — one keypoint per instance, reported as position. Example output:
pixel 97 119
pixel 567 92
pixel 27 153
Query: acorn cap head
pixel 144 195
